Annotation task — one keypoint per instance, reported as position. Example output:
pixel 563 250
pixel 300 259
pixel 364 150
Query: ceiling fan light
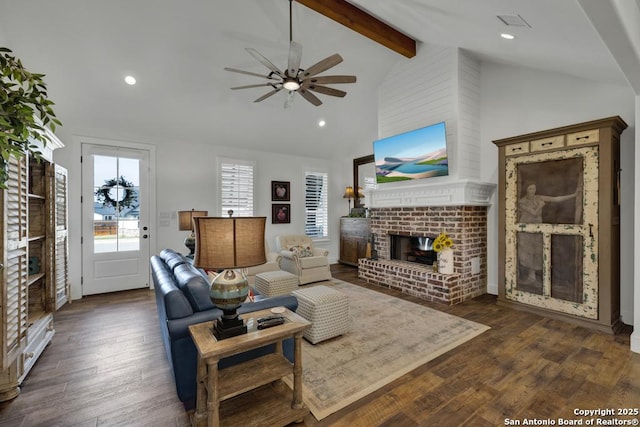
pixel 291 85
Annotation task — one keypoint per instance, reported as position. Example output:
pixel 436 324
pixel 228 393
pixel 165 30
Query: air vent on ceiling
pixel 513 21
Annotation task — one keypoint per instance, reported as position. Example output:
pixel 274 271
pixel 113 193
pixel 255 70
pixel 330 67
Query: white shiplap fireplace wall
pixel 438 84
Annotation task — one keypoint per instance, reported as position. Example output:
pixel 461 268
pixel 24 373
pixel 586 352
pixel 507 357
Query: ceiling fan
pixel 295 79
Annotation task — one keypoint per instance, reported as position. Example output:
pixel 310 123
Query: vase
pixel 445 261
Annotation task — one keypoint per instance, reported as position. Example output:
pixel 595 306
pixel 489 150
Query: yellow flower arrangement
pixel 442 242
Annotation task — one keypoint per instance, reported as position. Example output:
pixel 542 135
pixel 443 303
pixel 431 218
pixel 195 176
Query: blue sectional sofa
pixel 182 299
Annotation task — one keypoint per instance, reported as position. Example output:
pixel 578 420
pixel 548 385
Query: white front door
pixel 115 212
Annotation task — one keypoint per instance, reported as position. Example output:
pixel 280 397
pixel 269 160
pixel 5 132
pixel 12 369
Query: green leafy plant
pixel 25 112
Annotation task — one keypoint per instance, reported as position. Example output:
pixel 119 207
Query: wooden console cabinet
pixel 560 223
pixel 354 235
pixel 34 263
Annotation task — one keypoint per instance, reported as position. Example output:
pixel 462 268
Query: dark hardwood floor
pixel 106 366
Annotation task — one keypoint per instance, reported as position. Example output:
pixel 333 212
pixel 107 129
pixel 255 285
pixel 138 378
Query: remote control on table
pixel 267 318
pixel 271 322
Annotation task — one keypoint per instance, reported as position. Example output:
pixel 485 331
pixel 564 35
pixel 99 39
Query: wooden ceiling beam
pixel 358 20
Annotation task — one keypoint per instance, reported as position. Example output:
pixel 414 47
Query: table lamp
pixel 349 194
pixel 185 223
pixel 227 244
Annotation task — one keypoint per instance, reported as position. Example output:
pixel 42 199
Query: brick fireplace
pixel 461 213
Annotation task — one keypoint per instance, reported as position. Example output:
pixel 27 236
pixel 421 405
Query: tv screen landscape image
pixel 420 153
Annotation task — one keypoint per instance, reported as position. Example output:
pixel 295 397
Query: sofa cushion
pixel 194 285
pixel 173 302
pixel 314 261
pixel 173 258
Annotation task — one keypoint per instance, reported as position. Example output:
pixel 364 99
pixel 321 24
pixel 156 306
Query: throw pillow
pixel 301 251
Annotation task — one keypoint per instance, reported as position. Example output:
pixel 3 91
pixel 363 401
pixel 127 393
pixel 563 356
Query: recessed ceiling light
pixel 130 80
pixel 507 36
pixel 321 123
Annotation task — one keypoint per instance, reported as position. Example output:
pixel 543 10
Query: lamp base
pixel 228 290
pixel 190 243
pixel 227 328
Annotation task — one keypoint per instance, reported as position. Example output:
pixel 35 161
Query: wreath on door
pixel 105 196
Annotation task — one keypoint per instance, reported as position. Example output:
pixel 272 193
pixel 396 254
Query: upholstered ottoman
pixel 274 283
pixel 327 309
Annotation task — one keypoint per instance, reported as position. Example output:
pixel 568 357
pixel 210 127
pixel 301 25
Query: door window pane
pixel 529 262
pixel 550 192
pixel 116 218
pixel 566 268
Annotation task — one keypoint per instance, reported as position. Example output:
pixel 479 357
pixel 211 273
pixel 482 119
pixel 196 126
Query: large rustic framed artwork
pixel 551 225
pixel 280 191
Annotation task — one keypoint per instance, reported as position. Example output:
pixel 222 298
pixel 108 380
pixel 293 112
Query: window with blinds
pixel 316 205
pixel 236 187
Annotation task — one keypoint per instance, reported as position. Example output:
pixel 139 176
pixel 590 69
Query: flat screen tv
pixel 420 153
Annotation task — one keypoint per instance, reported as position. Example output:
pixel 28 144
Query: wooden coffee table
pixel 249 393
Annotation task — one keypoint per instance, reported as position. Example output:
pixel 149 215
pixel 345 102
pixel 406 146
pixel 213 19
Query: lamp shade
pixel 348 193
pixel 185 217
pixel 360 193
pixel 225 243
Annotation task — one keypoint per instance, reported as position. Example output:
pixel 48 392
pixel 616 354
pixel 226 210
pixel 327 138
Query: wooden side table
pixel 250 393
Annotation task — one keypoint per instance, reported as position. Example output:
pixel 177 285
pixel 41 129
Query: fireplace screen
pixel 413 249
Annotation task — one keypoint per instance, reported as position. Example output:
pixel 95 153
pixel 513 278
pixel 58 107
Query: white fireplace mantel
pixel 445 193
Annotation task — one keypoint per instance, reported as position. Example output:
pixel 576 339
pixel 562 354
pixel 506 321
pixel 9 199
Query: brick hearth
pixel 466 225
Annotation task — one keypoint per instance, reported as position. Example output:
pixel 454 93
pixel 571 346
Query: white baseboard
pixel 635 342
pixel 627 317
pixel 492 288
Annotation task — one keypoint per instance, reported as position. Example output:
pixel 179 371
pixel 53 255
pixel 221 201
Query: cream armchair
pixel 272 264
pixel 299 257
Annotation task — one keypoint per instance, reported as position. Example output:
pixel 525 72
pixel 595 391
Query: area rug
pixel 388 338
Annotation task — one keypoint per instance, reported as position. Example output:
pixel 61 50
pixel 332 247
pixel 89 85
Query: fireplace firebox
pixel 412 249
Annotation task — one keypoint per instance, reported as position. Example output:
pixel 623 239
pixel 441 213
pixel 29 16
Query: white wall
pixel 516 101
pixel 186 178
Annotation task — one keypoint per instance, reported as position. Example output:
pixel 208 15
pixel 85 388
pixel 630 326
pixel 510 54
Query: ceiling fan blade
pixel 295 56
pixel 249 73
pixel 264 61
pixel 330 79
pixel 250 86
pixel 268 94
pixel 326 90
pixel 325 64
pixel 309 97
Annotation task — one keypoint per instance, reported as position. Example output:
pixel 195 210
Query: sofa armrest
pixel 179 328
pixel 273 257
pixel 288 301
pixel 320 252
pixel 290 255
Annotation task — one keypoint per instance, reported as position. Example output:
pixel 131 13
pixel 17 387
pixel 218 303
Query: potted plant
pixel 25 111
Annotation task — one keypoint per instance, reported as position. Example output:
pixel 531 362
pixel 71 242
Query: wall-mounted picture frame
pixel 280 213
pixel 280 191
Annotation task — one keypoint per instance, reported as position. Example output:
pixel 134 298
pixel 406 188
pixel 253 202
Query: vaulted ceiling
pixel 177 51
